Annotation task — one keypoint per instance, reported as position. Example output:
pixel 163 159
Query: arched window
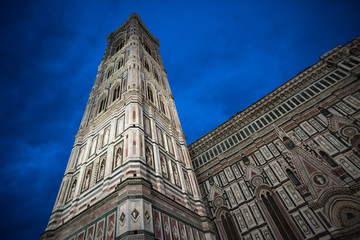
pixel 147 66
pixel 120 63
pixel 102 105
pixel 277 216
pixel 116 93
pixel 150 95
pixel 292 177
pixel 120 46
pixel 147 49
pixel 109 73
pixel 162 106
pixel 156 76
pixel 288 143
pixel 228 226
pixel 328 159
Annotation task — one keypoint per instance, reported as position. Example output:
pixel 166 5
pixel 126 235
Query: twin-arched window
pixel 150 94
pixel 120 46
pixel 277 216
pixel 102 105
pixel 146 65
pixel 116 93
pixel 162 106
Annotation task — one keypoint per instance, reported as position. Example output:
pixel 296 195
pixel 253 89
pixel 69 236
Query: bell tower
pixel 129 175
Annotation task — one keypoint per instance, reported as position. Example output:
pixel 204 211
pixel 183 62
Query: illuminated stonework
pixel 288 166
pixel 130 161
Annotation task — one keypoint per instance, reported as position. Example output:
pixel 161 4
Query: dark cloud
pixel 220 58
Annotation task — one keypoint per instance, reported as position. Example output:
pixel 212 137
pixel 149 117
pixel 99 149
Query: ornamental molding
pixel 272 99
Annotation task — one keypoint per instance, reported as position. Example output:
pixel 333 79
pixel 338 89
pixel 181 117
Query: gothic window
pixel 116 93
pixel 147 66
pixel 328 159
pixel 147 49
pixel 156 76
pixel 120 63
pixel 109 73
pixel 162 106
pixel 150 94
pixel 288 143
pixel 228 226
pixel 292 177
pixel 277 216
pixel 102 105
pixel 120 46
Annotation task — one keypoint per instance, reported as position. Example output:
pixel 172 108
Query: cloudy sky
pixel 221 56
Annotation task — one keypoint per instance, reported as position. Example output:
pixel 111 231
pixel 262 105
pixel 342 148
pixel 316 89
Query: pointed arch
pixel 162 105
pixel 150 94
pixel 147 64
pixel 226 224
pixel 293 177
pixel 328 159
pixel 343 211
pixel 109 72
pixel 288 143
pixel 102 103
pixel 276 214
pixel 120 62
pixel 156 76
pixel 116 91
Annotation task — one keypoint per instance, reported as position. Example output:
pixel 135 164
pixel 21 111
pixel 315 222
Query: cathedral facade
pixel 287 167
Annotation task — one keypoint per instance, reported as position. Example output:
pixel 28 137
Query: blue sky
pixel 221 56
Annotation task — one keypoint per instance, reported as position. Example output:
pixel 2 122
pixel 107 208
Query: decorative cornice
pixel 277 96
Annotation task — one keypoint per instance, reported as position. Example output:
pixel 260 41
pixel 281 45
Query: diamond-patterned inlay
pixel 147 215
pixel 135 214
pixel 111 228
pixel 122 218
